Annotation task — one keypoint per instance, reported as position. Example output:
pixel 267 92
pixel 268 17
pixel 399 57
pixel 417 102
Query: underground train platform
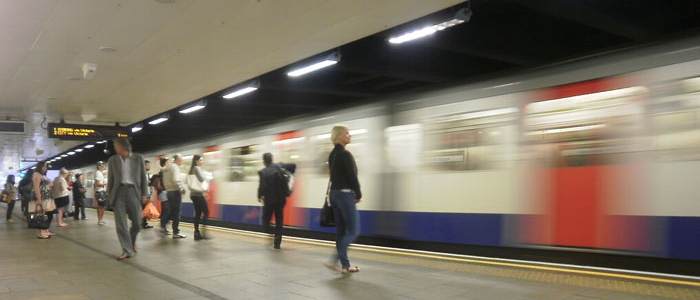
pixel 460 149
pixel 79 263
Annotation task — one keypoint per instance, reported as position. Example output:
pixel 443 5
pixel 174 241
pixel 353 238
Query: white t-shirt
pixel 100 179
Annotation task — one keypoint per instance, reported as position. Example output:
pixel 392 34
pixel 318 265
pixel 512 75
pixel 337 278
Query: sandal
pixel 353 269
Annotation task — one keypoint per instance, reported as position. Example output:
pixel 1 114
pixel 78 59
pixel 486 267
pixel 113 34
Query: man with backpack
pixel 275 186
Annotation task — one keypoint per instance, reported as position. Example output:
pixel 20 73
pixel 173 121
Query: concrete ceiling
pixel 166 52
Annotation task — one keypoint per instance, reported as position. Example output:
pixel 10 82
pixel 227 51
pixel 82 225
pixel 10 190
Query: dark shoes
pixel 197 235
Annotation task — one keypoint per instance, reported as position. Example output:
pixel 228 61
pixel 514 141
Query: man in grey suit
pixel 127 185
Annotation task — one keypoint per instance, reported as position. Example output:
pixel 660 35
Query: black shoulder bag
pixel 327 217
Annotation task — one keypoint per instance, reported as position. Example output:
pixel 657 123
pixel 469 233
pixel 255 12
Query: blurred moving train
pixel 593 155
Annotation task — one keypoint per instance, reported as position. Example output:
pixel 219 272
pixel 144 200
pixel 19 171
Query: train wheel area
pixel 242 265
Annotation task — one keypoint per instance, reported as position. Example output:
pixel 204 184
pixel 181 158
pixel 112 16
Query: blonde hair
pixel 336 132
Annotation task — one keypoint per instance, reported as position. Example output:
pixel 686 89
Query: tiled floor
pixel 78 263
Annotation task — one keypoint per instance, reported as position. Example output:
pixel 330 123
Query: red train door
pixel 579 133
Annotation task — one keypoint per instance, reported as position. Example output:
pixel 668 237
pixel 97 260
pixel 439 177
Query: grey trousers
pixel 127 204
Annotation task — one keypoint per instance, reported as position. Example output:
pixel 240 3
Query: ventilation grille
pixel 12 127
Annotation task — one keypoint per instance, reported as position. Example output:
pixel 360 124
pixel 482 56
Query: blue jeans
pixel 347 223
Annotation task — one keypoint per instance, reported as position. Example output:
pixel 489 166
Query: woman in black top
pixel 79 197
pixel 201 211
pixel 344 195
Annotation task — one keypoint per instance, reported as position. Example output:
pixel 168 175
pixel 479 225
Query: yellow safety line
pixel 471 260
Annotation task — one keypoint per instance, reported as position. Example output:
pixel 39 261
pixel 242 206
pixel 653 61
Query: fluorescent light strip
pixel 71 153
pixel 240 92
pixel 310 68
pixel 102 142
pixel 192 109
pixel 136 129
pixel 78 150
pixel 158 121
pixel 423 32
pixel 63 155
pixel 89 146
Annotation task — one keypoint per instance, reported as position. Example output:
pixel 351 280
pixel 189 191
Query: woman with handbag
pixel 61 195
pixel 9 194
pixel 344 195
pixel 196 185
pixel 41 197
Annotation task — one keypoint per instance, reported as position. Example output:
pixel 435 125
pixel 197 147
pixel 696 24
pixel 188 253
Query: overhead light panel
pixel 71 153
pixel 462 16
pixel 159 120
pixel 136 128
pixel 89 146
pixel 63 155
pixel 194 107
pixel 323 63
pixel 102 142
pixel 78 150
pixel 243 89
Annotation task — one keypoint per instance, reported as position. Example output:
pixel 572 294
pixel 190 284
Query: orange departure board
pixel 65 131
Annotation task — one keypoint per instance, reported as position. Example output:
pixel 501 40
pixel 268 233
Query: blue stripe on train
pixel 682 234
pixel 683 237
pixel 480 229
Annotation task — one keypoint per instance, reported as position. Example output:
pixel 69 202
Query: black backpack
pixel 25 188
pixel 287 180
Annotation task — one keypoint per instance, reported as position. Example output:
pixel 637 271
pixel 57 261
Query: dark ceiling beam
pixel 581 13
pixel 360 79
pixel 490 54
pixel 318 90
pixel 397 73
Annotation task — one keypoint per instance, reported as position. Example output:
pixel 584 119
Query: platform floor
pixel 78 263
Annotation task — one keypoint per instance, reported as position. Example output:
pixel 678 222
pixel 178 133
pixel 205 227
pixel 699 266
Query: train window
pixel 469 141
pixel 589 129
pixel 289 150
pixel 244 163
pixel 323 146
pixel 675 120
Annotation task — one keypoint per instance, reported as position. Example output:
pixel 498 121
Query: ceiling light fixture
pixel 324 63
pixel 102 142
pixel 136 128
pixel 63 155
pixel 78 150
pixel 194 107
pixel 243 89
pixel 71 153
pixel 160 119
pixel 89 146
pixel 462 16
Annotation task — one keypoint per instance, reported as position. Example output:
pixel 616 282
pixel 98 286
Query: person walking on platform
pixel 100 192
pixel 144 222
pixel 172 181
pixel 9 194
pixel 61 195
pixel 128 189
pixel 163 197
pixel 273 191
pixel 79 198
pixel 196 183
pixel 344 195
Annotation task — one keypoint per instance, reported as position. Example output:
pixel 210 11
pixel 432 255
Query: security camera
pixel 89 71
